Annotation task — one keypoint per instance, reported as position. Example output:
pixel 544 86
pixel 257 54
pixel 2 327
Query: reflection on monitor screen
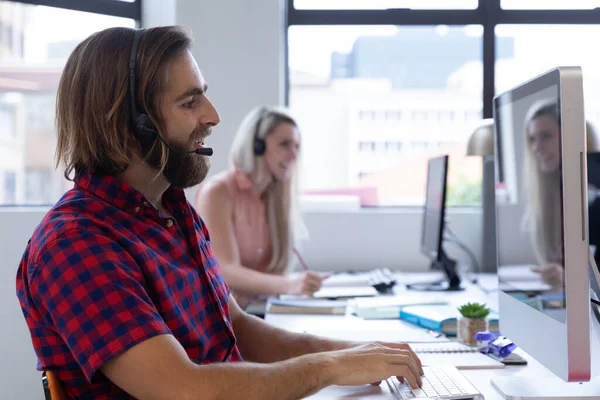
pixel 541 231
pixel 531 126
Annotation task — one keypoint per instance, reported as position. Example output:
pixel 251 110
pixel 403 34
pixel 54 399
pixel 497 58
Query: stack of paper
pixel 307 306
pixel 389 307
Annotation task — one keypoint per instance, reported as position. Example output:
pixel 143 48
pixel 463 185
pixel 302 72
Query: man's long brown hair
pixel 93 111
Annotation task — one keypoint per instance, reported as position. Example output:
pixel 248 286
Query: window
pixel 435 63
pixel 10 188
pixel 438 63
pixel 7 120
pixel 550 4
pixel 35 42
pixel 383 4
pixel 542 47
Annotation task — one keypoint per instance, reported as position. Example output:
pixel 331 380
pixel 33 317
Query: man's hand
pixel 374 362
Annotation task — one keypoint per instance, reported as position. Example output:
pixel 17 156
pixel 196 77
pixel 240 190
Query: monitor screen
pixel 435 201
pixel 530 232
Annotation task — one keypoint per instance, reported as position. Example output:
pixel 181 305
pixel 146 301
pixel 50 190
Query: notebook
pixel 345 292
pixel 307 306
pixel 454 353
pixel 440 318
pixel 388 307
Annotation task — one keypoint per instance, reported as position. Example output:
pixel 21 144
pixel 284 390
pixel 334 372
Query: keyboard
pixel 439 382
pixel 382 279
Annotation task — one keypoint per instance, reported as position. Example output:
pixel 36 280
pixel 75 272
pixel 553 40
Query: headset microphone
pixel 203 151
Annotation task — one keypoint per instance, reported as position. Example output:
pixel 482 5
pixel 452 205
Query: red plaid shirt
pixel 106 270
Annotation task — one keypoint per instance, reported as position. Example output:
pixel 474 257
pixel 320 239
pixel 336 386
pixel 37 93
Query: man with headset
pixel 118 284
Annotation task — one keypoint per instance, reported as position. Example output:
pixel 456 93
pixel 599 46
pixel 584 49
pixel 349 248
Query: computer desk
pixel 479 378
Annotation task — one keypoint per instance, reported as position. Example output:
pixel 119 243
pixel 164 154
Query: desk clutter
pixel 435 314
pixel 454 353
pixel 440 318
pixel 381 279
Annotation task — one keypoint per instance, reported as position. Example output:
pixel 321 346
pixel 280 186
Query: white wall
pixel 158 12
pixel 19 378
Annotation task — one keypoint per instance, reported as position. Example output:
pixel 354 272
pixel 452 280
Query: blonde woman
pixel 251 210
pixel 543 217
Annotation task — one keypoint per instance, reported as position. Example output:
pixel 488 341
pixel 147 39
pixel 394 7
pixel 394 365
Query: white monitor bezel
pixel 564 348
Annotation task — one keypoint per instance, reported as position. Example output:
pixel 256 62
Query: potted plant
pixel 473 319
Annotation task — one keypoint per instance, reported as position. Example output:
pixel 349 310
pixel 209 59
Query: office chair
pixel 52 388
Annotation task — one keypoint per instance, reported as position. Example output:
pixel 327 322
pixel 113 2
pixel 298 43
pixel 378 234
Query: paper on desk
pixel 345 292
pixel 401 300
pixel 345 280
pixel 335 293
pixel 371 332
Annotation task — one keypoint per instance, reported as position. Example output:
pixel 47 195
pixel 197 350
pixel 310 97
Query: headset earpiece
pixel 144 128
pixel 260 145
pixel 141 125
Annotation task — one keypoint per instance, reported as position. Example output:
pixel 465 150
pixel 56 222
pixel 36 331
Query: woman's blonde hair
pixel 283 211
pixel 543 209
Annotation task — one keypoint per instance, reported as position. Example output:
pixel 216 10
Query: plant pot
pixel 468 327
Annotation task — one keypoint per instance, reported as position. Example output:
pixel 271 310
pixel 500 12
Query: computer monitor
pixel 541 125
pixel 432 231
pixel 593 168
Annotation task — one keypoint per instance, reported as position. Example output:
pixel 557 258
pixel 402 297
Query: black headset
pixel 141 124
pixel 260 145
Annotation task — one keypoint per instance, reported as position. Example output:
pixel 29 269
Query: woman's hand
pixel 307 283
pixel 552 274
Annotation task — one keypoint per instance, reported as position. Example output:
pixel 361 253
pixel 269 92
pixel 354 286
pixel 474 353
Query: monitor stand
pixel 452 283
pixel 551 388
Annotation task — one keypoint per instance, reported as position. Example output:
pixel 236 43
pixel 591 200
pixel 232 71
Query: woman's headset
pixel 260 145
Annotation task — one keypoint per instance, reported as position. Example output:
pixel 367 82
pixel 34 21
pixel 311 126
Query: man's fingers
pixel 413 355
pixel 404 363
pixel 415 359
pixel 403 373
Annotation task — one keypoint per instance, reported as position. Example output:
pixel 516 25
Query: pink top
pixel 250 224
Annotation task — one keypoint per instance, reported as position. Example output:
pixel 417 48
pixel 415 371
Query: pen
pixel 434 333
pixel 300 259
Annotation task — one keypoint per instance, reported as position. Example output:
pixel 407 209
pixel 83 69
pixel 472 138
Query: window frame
pixel 114 8
pixel 488 14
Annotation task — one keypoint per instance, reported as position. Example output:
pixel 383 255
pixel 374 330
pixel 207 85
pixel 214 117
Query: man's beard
pixel 183 169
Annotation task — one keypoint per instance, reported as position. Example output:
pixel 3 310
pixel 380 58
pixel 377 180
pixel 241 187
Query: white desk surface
pixel 385 328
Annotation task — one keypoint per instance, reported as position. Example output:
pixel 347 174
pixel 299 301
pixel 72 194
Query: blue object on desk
pixel 433 321
pixel 440 318
pixel 497 345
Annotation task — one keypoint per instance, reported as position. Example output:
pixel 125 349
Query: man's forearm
pixel 291 379
pixel 260 342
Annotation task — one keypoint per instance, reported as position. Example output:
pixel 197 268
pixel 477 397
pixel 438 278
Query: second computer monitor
pixel 432 231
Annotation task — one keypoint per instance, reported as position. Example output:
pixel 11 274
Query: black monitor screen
pixel 435 201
